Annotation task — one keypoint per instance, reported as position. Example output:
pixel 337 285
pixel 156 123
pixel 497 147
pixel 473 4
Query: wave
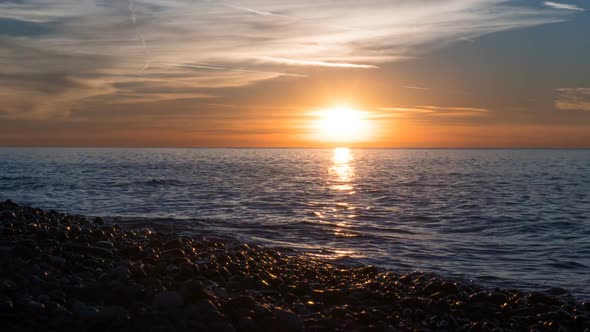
pixel 161 182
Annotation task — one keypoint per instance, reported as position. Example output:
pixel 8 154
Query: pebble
pixel 57 261
pixel 84 311
pixel 64 272
pixel 120 272
pixel 288 321
pixel 99 252
pixel 168 300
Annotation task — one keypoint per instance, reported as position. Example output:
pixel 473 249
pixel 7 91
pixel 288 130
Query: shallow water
pixel 510 218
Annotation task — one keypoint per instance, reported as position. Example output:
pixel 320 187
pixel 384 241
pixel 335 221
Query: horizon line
pixel 294 147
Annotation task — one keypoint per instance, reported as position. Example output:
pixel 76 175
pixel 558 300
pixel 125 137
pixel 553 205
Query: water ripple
pixel 506 217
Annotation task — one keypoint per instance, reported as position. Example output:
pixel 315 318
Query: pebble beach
pixel 61 272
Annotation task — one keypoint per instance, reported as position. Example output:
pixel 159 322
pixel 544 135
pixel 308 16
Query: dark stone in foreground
pixel 68 273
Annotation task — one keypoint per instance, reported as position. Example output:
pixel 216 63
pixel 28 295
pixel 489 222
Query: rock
pixel 7 215
pixel 8 231
pixel 98 252
pixel 173 244
pixel 174 253
pixel 495 298
pixel 75 230
pixel 112 278
pixel 61 236
pixel 221 327
pixel 104 244
pixel 57 261
pixel 283 320
pixel 131 250
pixel 85 312
pixel 289 321
pixel 6 305
pixel 120 272
pixel 168 300
pixel 542 298
pixel 34 307
pixel 114 314
pixel 86 293
pixel 247 324
pixel 206 310
pixel 240 302
pixel 6 251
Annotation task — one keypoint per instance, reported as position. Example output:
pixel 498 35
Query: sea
pixel 510 218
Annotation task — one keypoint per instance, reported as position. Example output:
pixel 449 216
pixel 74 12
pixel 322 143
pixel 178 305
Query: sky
pixel 255 73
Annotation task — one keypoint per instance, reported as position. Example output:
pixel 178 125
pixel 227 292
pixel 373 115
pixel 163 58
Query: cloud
pixel 216 67
pixel 458 109
pixel 100 45
pixel 250 10
pixel 13 27
pixel 412 87
pixel 573 99
pixel 293 62
pixel 563 6
pixel 430 110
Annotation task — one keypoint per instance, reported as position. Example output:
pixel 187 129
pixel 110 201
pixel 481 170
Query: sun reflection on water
pixel 338 213
pixel 342 171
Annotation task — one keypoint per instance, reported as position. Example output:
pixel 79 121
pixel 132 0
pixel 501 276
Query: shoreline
pixel 63 272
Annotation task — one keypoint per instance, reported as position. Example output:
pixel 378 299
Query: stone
pixel 542 298
pixel 120 272
pixel 206 310
pixel 173 244
pixel 84 311
pixel 7 215
pixel 104 244
pixel 6 305
pixel 246 324
pixel 115 314
pixel 98 252
pixel 289 321
pixel 174 253
pixel 57 261
pixel 283 320
pixel 168 300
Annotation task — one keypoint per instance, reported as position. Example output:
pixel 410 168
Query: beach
pixel 63 272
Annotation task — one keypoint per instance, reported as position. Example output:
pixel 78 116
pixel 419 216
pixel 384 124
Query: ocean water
pixel 509 218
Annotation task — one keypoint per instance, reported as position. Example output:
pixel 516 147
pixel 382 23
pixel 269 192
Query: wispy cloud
pixel 97 44
pixel 459 109
pixel 573 99
pixel 250 10
pixel 413 87
pixel 430 110
pixel 216 67
pixel 294 62
pixel 563 6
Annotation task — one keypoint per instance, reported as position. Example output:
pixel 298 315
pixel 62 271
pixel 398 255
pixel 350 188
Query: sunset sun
pixel 342 124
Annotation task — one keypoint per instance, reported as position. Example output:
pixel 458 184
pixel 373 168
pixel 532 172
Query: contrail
pixel 139 36
pixel 413 87
pixel 294 62
pixel 254 11
pixel 147 53
pixel 293 18
pixel 132 11
pixel 216 67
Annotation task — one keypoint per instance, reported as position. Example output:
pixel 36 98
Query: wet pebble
pixel 66 272
pixel 168 300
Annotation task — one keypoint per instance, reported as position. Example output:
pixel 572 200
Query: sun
pixel 342 124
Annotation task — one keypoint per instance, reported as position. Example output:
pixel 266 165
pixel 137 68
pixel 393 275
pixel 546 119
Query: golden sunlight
pixel 342 124
pixel 342 170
